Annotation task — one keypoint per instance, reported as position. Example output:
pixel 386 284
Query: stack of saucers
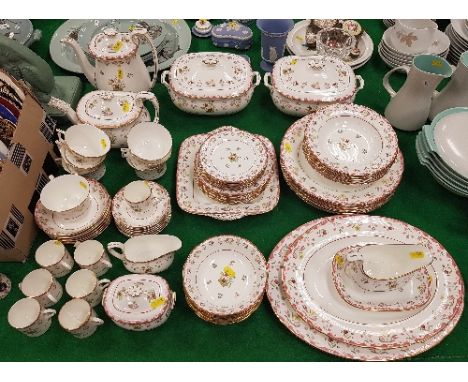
pixel 457 32
pixel 342 159
pixel 442 147
pixel 389 22
pixel 395 56
pixel 72 208
pixel 227 174
pixel 141 208
pixel 83 149
pixel 365 287
pixel 224 279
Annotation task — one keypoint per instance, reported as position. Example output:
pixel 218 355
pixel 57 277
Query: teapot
pixel 118 65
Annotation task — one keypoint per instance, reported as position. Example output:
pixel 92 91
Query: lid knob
pixel 110 32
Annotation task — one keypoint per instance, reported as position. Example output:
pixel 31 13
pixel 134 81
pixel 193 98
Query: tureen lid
pixel 137 299
pixel 112 45
pixel 314 78
pixel 211 75
pixel 106 109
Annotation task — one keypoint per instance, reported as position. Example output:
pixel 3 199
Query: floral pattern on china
pixel 314 78
pixel 351 140
pixel 306 284
pixel 206 75
pixel 225 275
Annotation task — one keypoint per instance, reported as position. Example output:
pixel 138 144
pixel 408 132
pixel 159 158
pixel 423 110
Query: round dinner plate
pixel 307 283
pixel 289 318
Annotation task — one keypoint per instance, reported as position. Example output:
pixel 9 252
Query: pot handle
pixel 165 78
pixel 113 248
pixel 148 96
pixel 386 78
pixel 267 80
pixel 360 82
pixel 48 313
pixel 258 78
pixel 143 32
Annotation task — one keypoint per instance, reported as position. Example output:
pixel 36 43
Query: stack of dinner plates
pixel 457 32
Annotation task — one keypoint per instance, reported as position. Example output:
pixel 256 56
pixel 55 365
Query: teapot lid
pixel 106 109
pixel 111 45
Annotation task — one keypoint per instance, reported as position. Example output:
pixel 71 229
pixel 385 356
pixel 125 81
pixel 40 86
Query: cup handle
pixel 107 263
pixel 49 313
pixel 60 135
pixel 66 265
pixel 267 80
pixel 52 298
pixel 386 78
pixel 164 78
pixel 360 82
pixel 104 283
pixel 113 248
pixel 148 96
pixel 173 299
pixel 96 321
pixel 258 78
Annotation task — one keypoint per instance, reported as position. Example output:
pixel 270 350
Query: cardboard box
pixel 25 170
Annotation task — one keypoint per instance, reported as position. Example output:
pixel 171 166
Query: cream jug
pixel 118 66
pixel 409 108
pixel 455 93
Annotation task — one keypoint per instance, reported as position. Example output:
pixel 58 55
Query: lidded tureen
pixel 300 85
pixel 114 112
pixel 138 302
pixel 210 83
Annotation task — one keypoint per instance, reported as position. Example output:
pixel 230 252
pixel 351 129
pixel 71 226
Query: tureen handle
pixel 258 78
pixel 360 82
pixel 386 78
pixel 164 78
pixel 148 96
pixel 266 80
pixel 113 248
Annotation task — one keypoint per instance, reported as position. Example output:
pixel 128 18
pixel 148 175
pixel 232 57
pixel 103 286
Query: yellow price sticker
pixel 417 255
pixel 339 260
pixel 146 183
pixel 103 143
pixel 437 63
pixel 288 147
pixel 294 61
pixel 300 38
pixel 125 106
pixel 83 185
pixel 157 302
pixel 120 74
pixel 175 21
pixel 117 46
pixel 229 271
pixel 57 242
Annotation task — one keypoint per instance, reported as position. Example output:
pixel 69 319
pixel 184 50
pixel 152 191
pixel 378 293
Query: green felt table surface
pixel 419 201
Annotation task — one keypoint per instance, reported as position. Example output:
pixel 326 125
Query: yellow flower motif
pixel 157 302
pixel 103 143
pixel 417 255
pixel 357 227
pixel 120 74
pixel 339 260
pixel 429 279
pixel 229 272
pixel 288 147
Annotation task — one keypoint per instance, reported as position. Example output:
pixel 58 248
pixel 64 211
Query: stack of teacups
pixel 149 148
pixel 83 149
pixel 457 32
pixel 409 38
pixel 233 166
pixel 72 208
pixel 342 159
pixel 141 208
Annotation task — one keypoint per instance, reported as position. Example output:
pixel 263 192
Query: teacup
pixel 67 195
pixel 53 256
pixel 144 171
pixel 29 317
pixel 90 254
pixel 138 195
pixel 79 318
pixel 149 144
pixel 85 285
pixel 86 145
pixel 413 36
pixel 41 285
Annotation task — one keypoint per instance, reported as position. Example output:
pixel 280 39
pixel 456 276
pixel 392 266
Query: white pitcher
pixel 455 94
pixel 409 108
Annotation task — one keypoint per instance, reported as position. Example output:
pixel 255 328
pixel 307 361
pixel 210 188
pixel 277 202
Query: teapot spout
pixel 64 107
pixel 88 70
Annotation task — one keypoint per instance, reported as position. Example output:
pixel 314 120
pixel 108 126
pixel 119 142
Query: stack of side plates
pixel 442 147
pixel 305 299
pixel 457 32
pixel 388 22
pixel 393 57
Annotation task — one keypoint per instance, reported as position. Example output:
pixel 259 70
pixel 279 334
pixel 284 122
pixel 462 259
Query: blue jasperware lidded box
pixel 232 35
